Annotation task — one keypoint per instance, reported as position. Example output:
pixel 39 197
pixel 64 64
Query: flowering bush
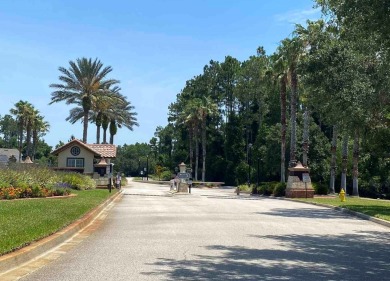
pixel 77 181
pixel 27 181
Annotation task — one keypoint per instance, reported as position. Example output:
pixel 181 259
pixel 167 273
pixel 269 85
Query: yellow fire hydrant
pixel 342 195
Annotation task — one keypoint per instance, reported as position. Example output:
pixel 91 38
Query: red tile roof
pixel 105 150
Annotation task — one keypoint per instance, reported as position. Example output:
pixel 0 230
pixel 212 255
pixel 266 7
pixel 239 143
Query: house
pixel 8 155
pixel 92 159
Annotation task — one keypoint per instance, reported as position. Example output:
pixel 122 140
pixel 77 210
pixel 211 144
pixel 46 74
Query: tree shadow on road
pixel 311 213
pixel 361 256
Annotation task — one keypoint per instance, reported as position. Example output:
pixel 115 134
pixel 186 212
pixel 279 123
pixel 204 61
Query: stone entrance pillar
pixel 299 182
pixel 183 186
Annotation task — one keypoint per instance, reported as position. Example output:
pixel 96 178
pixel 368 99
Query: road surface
pixel 214 234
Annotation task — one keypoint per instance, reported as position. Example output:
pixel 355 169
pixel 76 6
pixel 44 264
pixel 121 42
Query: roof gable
pixel 74 142
pixel 101 150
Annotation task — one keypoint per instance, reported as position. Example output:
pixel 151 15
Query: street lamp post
pixel 249 164
pixel 147 167
pixel 258 172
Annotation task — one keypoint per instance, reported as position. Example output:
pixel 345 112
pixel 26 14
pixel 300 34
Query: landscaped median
pixel 371 207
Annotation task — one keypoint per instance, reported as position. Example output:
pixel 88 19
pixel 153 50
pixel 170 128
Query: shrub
pixel 166 176
pixel 320 188
pixel 245 187
pixel 279 189
pixel 77 181
pixel 267 188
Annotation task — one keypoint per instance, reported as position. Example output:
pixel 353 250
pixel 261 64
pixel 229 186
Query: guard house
pixel 91 159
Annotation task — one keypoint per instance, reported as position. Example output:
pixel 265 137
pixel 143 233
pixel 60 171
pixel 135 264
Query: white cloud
pixel 298 16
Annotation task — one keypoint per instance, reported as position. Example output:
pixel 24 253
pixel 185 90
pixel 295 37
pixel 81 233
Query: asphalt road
pixel 216 235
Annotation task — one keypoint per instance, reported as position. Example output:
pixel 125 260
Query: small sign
pixel 183 175
pixel 305 177
pixel 142 172
pixel 189 182
pixel 3 159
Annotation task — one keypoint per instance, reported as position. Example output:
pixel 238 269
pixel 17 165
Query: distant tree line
pixel 321 98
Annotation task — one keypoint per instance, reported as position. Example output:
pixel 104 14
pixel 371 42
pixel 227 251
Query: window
pixel 75 150
pixel 75 162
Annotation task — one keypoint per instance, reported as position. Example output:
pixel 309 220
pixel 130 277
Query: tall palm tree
pixel 32 115
pixel 293 50
pixel 279 71
pixel 22 111
pixel 82 82
pixel 39 128
pixel 122 115
pixel 333 161
pixel 344 163
pixel 207 109
pixel 355 172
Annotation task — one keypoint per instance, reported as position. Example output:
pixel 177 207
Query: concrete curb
pixel 28 253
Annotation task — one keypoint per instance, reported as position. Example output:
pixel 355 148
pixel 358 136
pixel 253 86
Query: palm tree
pixel 290 51
pixel 207 109
pixel 82 83
pixel 22 112
pixel 355 172
pixel 279 71
pixel 293 48
pixel 190 118
pixel 333 161
pixel 344 163
pixel 30 119
pixel 39 128
pixel 122 115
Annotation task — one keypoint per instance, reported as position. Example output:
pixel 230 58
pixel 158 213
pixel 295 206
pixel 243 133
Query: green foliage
pixel 245 187
pixel 77 181
pixel 320 188
pixel 241 173
pixel 166 176
pixel 267 188
pixel 279 189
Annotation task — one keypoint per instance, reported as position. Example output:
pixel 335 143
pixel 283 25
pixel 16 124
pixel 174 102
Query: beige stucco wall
pixel 87 155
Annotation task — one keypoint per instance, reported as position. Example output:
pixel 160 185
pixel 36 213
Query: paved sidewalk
pixel 217 235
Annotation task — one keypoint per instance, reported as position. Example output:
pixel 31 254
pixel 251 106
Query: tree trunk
pixel 20 140
pixel 355 190
pixel 34 144
pixel 105 123
pixel 28 138
pixel 305 137
pixel 333 161
pixel 344 163
pixel 283 90
pixel 196 155
pixel 190 137
pixel 104 135
pixel 293 106
pixel 97 134
pixel 85 126
pixel 204 149
pixel 111 139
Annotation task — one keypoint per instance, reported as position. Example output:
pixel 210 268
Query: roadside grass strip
pixel 372 207
pixel 25 221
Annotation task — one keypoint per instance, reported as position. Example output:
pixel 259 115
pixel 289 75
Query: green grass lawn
pixel 375 208
pixel 24 221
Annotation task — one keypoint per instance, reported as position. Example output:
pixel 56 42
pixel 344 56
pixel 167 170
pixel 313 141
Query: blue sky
pixel 153 46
